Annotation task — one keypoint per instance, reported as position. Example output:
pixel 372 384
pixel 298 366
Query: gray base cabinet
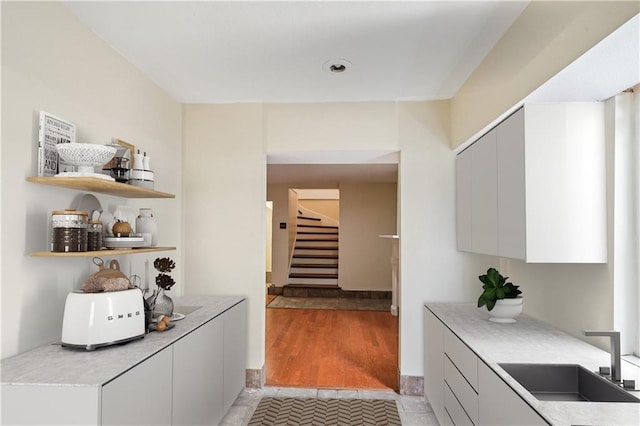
pixel 193 380
pixel 198 375
pixel 69 405
pixel 234 356
pixel 434 365
pixel 506 410
pixel 462 389
pixel 142 395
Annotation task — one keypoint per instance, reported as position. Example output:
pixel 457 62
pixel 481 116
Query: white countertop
pixel 55 365
pixel 532 341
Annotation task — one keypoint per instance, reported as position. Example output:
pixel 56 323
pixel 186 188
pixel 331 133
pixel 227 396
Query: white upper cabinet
pixel 484 196
pixel 550 186
pixel 463 200
pixel 511 184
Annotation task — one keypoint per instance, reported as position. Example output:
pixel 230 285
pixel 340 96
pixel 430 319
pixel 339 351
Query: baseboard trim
pixel 255 378
pixel 412 385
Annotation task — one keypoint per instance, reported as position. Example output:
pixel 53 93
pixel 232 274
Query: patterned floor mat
pixel 324 412
pixel 334 303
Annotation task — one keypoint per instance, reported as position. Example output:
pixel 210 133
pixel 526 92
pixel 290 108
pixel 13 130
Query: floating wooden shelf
pixel 102 186
pixel 106 252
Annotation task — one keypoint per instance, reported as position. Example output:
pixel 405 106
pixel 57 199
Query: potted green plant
pixel 502 298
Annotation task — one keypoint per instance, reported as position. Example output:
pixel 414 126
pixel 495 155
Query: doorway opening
pixel 334 329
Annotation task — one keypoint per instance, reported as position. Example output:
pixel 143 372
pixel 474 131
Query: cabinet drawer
pixel 454 409
pixel 462 357
pixel 463 391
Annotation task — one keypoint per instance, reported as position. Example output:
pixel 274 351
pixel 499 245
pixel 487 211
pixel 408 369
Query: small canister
pixel 69 230
pixel 94 235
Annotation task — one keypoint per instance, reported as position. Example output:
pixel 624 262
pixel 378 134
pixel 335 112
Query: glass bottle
pixel 94 235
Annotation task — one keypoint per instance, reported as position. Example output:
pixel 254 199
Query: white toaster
pixel 92 320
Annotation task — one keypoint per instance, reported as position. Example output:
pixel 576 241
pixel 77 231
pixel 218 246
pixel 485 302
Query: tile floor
pixel 351 304
pixel 412 409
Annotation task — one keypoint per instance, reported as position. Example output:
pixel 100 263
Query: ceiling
pixel 264 51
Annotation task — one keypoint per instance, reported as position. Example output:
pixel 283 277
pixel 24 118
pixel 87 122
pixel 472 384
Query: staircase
pixel 314 264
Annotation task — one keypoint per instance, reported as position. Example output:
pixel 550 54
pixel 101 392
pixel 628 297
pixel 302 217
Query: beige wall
pixel 278 194
pixel 570 296
pixel 547 37
pixel 328 208
pixel 232 259
pixel 292 221
pixel 224 211
pixel 367 210
pixel 68 71
pixel 331 126
pixel 269 229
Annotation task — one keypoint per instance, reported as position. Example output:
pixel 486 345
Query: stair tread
pixel 316 233
pixel 311 275
pixel 317 239
pixel 316 256
pixel 315 265
pixel 317 248
pixel 310 218
pixel 318 226
pixel 293 285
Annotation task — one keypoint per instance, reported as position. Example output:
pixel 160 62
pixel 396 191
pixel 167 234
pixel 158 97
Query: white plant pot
pixel 506 310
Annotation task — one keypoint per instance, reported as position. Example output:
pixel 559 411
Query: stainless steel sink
pixel 566 382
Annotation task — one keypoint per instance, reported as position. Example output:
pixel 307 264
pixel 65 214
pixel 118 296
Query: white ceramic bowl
pixel 85 156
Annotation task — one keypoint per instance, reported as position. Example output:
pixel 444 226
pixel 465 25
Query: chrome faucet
pixel 616 362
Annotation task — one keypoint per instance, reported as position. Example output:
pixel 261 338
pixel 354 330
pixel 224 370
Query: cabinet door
pixel 566 183
pixel 501 405
pixel 235 349
pixel 463 200
pixel 511 187
pixel 434 365
pixel 484 195
pixel 198 376
pixel 55 405
pixel 142 395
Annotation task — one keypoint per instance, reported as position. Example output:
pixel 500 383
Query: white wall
pixel 68 71
pixel 367 210
pixel 431 270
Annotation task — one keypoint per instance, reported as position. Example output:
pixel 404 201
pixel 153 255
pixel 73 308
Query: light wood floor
pixel 317 348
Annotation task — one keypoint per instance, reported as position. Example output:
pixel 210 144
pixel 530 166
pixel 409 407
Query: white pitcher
pixel 146 224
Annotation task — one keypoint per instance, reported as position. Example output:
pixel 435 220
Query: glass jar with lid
pixel 69 230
